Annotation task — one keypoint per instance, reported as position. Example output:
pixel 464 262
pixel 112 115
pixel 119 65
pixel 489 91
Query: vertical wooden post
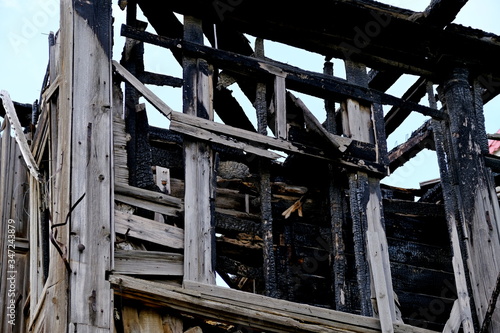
pixel 363 123
pixel 84 157
pixel 470 193
pixel 269 266
pixel 441 142
pixel 199 189
pixel 337 217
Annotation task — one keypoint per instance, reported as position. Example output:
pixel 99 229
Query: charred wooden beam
pixel 136 120
pixel 478 102
pixel 269 271
pixel 148 263
pixel 231 266
pixel 397 115
pixel 22 110
pixel 493 162
pixel 439 14
pixel 465 179
pixel 419 140
pixel 494 137
pixel 319 85
pixel 337 214
pixel 159 79
pixel 491 307
pixel 141 167
pixel 227 223
pixel 342 29
pixel 411 208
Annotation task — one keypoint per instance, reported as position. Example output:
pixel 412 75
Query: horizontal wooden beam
pixel 157 197
pixel 160 79
pixel 135 262
pixel 316 84
pixel 495 136
pixel 149 205
pixel 407 208
pixel 205 135
pixel 246 309
pixel 273 143
pixel 492 162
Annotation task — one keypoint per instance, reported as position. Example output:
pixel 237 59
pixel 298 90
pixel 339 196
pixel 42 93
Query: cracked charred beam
pixel 439 14
pixel 419 140
pixel 226 106
pixel 231 266
pixel 470 200
pixel 23 112
pixel 397 115
pixel 227 223
pixel 337 214
pixel 271 283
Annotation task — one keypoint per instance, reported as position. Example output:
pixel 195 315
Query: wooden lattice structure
pixel 113 224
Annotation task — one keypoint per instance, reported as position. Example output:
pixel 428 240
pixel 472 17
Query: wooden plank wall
pixel 14 231
pixel 81 177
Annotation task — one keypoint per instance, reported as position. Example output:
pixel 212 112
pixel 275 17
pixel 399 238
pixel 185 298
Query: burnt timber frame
pixel 109 257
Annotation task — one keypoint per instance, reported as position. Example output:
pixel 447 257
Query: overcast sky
pixel 25 25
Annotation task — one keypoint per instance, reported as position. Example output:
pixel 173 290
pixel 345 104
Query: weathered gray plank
pixel 146 204
pixel 148 263
pixel 248 309
pixel 149 230
pixel 90 304
pixel 157 197
pixel 146 92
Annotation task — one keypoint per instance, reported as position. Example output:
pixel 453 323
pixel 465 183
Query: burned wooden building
pixel 115 223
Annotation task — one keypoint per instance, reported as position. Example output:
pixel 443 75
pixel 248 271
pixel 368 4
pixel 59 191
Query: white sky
pixel 25 25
